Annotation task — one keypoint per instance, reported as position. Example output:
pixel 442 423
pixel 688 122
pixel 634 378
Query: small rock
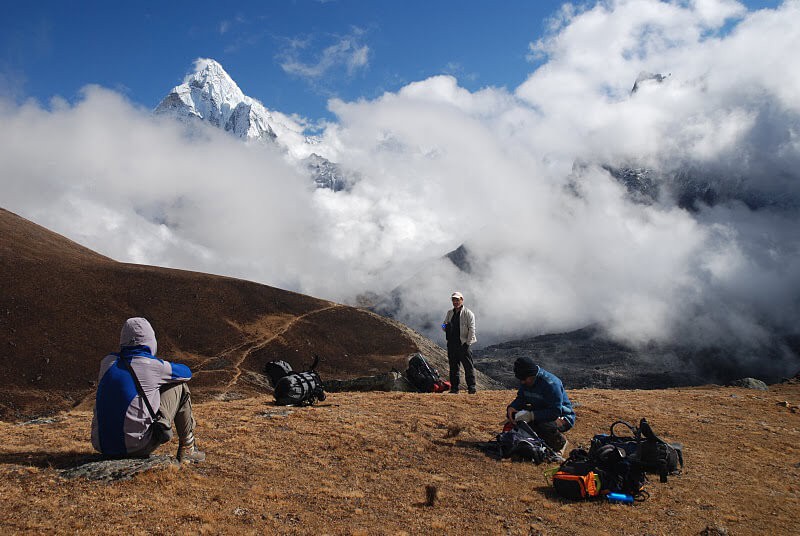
pixel 714 531
pixel 41 420
pixel 276 413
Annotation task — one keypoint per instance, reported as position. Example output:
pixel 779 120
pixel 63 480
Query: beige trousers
pixel 176 407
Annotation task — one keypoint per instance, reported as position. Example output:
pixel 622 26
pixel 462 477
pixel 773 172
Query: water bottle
pixel 620 498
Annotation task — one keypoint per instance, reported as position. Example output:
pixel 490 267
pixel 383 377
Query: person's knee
pixel 177 388
pixel 556 441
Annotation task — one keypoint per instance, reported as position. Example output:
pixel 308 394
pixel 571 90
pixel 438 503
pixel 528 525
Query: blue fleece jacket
pixel 121 420
pixel 546 398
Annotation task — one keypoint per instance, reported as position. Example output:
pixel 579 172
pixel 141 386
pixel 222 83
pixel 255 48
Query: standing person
pixel 123 425
pixel 543 402
pixel 459 329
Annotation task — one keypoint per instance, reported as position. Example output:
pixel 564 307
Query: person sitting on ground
pixel 542 401
pixel 123 425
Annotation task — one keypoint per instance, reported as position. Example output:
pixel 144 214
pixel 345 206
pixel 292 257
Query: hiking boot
pixel 453 391
pixel 189 453
pixel 472 390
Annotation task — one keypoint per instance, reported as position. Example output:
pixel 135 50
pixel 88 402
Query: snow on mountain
pixel 210 95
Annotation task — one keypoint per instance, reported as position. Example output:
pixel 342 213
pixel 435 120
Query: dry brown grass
pixel 360 463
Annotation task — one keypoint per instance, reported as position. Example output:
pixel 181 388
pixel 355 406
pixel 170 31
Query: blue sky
pixel 293 55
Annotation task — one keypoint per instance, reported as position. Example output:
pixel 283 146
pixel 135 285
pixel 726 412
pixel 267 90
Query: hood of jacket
pixel 138 332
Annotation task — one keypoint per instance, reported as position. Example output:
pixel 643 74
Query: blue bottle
pixel 620 498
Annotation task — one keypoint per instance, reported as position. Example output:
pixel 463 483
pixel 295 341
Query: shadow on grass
pixel 549 492
pixel 54 460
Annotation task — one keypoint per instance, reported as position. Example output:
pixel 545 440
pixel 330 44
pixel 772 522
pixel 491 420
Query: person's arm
pixel 551 394
pixel 175 373
pixel 153 373
pixel 470 318
pixel 517 404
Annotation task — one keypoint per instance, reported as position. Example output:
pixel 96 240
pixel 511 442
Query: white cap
pixel 457 295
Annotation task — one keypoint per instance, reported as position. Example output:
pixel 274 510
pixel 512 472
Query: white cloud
pixel 348 53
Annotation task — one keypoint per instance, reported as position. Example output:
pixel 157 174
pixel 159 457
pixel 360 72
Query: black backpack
pixel 521 444
pixel 656 455
pixel 275 370
pixel 605 470
pixel 423 377
pixel 300 388
pixel 628 443
pixel 651 453
pixel 619 472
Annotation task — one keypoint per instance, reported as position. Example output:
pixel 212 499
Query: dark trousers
pixel 457 356
pixel 551 434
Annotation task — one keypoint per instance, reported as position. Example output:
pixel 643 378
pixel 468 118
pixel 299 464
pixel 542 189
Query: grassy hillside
pixel 63 306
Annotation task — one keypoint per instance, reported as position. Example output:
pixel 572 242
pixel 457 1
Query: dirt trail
pixel 259 345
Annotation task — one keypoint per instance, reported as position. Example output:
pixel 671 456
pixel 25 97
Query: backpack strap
pixel 647 431
pixel 635 431
pixel 127 366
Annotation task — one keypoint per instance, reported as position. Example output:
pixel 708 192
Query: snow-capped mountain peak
pixel 211 95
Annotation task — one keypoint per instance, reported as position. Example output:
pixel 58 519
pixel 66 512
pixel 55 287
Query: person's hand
pixel 510 412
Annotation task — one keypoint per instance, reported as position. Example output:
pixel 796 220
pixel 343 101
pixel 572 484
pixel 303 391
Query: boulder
pixel 749 383
pixel 124 469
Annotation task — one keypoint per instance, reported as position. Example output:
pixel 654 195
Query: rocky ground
pixel 359 463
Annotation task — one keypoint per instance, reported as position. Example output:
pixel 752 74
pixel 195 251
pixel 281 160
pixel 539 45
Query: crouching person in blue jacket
pixel 138 398
pixel 542 401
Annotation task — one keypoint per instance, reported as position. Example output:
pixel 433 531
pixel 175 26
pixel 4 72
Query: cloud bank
pixel 517 176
